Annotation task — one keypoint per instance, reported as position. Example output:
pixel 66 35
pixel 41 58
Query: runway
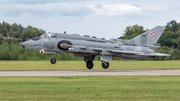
pixel 90 72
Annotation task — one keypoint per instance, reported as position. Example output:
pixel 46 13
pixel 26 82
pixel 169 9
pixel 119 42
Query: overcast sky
pixel 101 18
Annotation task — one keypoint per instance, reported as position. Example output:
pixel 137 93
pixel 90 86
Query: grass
pixel 81 65
pixel 90 88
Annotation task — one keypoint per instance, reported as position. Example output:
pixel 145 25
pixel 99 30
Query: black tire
pixel 105 65
pixel 53 61
pixel 89 65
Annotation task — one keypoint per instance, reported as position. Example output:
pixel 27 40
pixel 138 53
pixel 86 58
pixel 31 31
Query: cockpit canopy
pixel 48 35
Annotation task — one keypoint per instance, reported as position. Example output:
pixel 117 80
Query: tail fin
pixel 150 37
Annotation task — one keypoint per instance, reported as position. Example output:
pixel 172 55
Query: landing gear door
pixel 106 56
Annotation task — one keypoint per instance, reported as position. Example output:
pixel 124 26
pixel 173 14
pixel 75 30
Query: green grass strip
pixel 81 65
pixel 90 88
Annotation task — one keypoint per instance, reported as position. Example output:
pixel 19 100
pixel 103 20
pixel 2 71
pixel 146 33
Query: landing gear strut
pixel 53 60
pixel 89 61
pixel 105 65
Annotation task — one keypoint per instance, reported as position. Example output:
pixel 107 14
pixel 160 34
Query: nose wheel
pixel 53 60
pixel 105 65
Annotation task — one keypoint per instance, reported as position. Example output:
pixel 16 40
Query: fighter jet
pixel 140 47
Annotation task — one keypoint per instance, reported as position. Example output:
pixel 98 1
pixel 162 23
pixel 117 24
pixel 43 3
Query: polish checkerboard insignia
pixel 152 33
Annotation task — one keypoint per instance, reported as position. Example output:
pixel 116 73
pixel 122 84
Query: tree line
pixel 10 49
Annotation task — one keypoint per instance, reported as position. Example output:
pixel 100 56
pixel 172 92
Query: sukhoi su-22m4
pixel 140 47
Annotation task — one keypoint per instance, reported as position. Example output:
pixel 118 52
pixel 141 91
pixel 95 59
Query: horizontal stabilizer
pixel 154 54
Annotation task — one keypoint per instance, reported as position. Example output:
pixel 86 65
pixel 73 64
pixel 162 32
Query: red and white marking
pixel 152 33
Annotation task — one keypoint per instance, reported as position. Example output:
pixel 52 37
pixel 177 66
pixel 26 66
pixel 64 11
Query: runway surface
pixel 89 72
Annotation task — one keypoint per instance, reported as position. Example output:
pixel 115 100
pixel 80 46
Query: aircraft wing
pixel 82 47
pixel 77 48
pixel 97 49
pixel 124 52
pixel 154 54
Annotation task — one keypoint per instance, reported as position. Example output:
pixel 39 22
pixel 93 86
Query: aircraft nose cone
pixel 23 44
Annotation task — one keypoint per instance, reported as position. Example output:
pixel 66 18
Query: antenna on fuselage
pixel 64 32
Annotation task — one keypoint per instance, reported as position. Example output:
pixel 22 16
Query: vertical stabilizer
pixel 149 37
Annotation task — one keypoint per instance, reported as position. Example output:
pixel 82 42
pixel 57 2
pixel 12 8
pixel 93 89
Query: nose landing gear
pixel 53 60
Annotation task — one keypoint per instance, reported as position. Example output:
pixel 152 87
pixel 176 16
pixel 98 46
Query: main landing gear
pixel 53 60
pixel 89 61
pixel 105 65
pixel 89 65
